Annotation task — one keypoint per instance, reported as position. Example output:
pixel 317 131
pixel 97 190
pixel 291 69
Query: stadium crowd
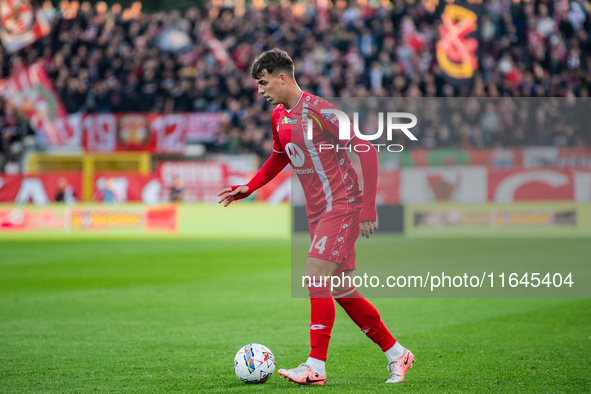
pixel 104 60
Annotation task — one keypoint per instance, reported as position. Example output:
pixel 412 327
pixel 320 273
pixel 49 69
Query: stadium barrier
pixel 42 165
pixel 242 220
pixel 520 219
pixel 202 181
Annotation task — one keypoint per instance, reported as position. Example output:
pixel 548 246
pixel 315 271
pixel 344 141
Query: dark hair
pixel 272 61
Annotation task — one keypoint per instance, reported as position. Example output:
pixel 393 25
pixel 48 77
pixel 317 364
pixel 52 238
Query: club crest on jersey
pixel 330 116
pixel 295 154
pixel 287 120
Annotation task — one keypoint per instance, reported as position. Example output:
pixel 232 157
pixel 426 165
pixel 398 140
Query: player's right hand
pixel 228 195
pixel 368 228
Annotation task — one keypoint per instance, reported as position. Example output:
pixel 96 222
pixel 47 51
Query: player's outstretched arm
pixel 368 158
pixel 268 171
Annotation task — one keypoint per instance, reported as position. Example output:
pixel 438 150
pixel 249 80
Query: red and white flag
pixel 20 25
pixel 30 93
pixel 217 49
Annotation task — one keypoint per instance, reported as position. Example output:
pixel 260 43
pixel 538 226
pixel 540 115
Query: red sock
pixel 366 316
pixel 322 316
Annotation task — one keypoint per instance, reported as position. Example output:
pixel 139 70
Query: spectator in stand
pixel 177 193
pixel 105 192
pixel 13 131
pixel 65 192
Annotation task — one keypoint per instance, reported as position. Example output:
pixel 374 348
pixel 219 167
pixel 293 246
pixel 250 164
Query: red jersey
pixel 327 175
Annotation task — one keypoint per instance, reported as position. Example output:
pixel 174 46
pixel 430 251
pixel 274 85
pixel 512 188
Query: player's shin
pixel 366 316
pixel 322 316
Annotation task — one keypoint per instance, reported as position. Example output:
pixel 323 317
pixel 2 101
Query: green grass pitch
pixel 160 316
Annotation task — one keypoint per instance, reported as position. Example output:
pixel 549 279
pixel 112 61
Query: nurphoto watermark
pixel 342 119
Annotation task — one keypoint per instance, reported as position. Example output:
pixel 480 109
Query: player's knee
pixel 320 268
pixel 338 289
pixel 342 283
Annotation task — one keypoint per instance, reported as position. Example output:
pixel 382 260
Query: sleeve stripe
pixel 276 151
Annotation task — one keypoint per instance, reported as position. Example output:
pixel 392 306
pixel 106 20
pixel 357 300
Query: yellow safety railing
pixel 88 164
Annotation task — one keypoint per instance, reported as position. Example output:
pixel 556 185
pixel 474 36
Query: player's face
pixel 271 87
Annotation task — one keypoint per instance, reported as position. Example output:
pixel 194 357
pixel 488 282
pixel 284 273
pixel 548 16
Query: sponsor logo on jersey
pixel 304 171
pixel 295 154
pixel 287 120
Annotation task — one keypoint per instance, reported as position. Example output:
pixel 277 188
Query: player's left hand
pixel 368 228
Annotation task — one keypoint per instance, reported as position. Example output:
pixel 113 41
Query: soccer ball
pixel 254 363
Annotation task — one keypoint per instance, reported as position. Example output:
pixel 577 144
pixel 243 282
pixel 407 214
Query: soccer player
pixel 338 211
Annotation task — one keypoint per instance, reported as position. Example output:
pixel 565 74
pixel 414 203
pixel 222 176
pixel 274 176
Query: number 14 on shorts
pixel 320 245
